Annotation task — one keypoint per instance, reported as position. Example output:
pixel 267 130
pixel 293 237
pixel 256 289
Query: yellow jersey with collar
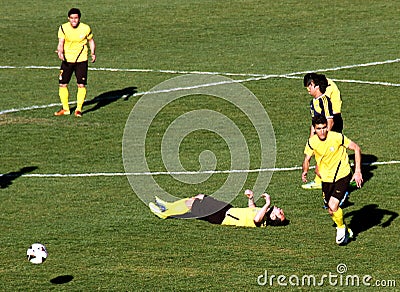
pixel 330 155
pixel 75 41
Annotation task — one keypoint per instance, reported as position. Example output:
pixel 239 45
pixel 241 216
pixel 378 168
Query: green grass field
pixel 63 182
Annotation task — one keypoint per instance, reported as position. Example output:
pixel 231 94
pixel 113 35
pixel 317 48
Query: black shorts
pixel 336 189
pixel 337 123
pixel 210 209
pixel 80 69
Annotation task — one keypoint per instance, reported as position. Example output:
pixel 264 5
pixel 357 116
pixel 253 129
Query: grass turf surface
pixel 100 235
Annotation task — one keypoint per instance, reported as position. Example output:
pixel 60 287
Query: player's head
pixel 74 11
pixel 308 78
pixel 316 81
pixel 319 120
pixel 275 217
pixel 74 16
pixel 320 125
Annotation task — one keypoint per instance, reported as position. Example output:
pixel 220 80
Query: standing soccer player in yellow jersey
pixel 329 148
pixel 72 49
pixel 336 124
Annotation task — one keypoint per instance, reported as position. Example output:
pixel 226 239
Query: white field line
pixel 213 73
pixel 255 77
pixel 113 174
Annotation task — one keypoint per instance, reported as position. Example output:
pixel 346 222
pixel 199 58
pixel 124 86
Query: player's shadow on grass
pixel 62 279
pixel 367 165
pixel 106 98
pixel 7 178
pixel 367 168
pixel 368 217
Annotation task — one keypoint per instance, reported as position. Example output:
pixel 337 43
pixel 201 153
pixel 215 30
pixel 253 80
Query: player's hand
pixel 60 55
pixel 93 58
pixel 304 176
pixel 267 198
pixel 249 193
pixel 357 177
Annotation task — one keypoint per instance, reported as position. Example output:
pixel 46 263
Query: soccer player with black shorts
pixel 329 149
pixel 321 104
pixel 214 211
pixel 72 49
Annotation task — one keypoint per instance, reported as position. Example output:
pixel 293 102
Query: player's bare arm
pixel 60 49
pixel 92 46
pixel 357 176
pixel 261 213
pixel 306 167
pixel 250 195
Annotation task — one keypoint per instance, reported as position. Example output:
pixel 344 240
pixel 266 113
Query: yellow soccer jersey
pixel 243 217
pixel 334 94
pixel 330 155
pixel 75 45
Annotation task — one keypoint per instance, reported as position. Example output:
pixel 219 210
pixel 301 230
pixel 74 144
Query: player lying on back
pixel 207 208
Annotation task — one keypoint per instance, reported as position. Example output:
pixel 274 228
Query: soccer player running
pixel 316 84
pixel 329 148
pixel 72 49
pixel 217 212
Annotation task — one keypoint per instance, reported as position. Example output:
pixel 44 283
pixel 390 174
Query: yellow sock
pixel 63 93
pixel 337 217
pixel 317 179
pixel 176 208
pixel 80 98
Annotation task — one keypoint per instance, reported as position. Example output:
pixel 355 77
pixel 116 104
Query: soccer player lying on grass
pixel 207 208
pixel 329 148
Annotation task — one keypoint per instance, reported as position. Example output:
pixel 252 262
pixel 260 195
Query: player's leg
pixel 81 79
pixel 165 209
pixel 66 71
pixel 337 192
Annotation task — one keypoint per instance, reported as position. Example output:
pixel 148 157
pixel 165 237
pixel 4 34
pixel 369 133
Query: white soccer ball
pixel 36 253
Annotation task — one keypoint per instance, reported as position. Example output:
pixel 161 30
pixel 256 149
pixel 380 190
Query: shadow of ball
pixel 61 279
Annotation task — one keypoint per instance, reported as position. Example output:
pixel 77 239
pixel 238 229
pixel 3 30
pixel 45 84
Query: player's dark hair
pixel 308 78
pixel 318 79
pixel 74 11
pixel 276 221
pixel 319 119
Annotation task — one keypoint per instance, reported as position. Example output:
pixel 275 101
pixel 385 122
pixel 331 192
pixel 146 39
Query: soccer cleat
pixel 342 235
pixel 161 204
pixel 353 184
pixel 312 185
pixel 156 211
pixel 78 114
pixel 351 234
pixel 62 112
